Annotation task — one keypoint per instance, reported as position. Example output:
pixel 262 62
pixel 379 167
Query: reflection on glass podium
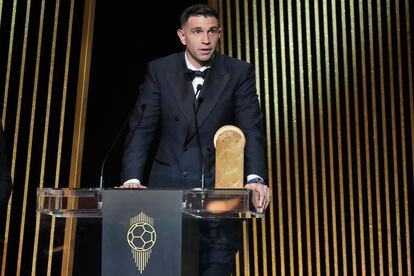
pixel 105 231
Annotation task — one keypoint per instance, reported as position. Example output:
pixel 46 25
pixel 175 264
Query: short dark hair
pixel 197 10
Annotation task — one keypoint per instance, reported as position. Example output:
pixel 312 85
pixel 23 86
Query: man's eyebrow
pixel 200 28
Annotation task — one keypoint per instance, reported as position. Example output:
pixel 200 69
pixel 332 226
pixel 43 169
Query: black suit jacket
pixel 166 103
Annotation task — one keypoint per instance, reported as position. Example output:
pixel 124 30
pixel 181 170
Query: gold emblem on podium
pixel 141 239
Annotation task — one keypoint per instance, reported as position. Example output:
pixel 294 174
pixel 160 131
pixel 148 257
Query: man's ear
pixel 181 36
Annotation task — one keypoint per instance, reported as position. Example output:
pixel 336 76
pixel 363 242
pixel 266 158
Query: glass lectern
pixel 145 221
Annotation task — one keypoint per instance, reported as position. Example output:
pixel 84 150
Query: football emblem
pixel 141 236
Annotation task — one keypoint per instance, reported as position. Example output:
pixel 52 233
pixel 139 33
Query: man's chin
pixel 204 59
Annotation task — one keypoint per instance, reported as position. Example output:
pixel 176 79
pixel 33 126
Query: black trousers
pixel 219 242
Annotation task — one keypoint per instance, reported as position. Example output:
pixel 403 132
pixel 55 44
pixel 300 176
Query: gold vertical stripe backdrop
pixel 411 102
pixel 376 149
pixel 35 92
pixel 366 144
pixel 410 76
pixel 303 140
pixel 348 154
pixel 246 247
pixel 61 127
pixel 256 62
pixel 47 121
pixel 322 158
pixel 312 149
pixel 5 100
pixel 384 143
pixel 335 81
pixel 342 173
pixel 245 229
pixel 269 144
pixel 20 93
pixel 9 60
pixel 79 129
pixel 34 108
pixel 266 100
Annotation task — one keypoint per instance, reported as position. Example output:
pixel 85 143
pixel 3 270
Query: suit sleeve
pixel 142 127
pixel 249 118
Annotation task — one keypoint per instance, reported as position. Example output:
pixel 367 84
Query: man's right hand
pixel 131 185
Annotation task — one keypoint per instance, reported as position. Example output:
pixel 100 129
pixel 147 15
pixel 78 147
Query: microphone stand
pixel 198 101
pixel 101 177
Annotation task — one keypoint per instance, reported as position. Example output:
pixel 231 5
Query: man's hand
pixel 261 197
pixel 131 185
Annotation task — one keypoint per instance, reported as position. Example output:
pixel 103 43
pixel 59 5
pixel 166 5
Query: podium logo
pixel 141 239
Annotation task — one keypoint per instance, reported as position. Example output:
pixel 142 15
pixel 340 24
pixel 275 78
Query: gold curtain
pixel 335 81
pixel 42 50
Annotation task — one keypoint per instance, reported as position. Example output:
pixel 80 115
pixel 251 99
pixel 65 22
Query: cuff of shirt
pixel 254 178
pixel 133 180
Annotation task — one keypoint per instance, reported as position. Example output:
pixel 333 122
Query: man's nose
pixel 205 38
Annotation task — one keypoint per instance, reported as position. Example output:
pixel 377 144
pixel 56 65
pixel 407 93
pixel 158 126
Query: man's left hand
pixel 264 196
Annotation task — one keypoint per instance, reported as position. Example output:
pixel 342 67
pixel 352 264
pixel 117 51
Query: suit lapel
pixel 213 87
pixel 183 91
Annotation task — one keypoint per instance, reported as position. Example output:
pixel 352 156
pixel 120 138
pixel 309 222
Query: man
pixel 221 92
pixel 5 187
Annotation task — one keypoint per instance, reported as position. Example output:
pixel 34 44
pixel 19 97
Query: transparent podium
pixel 131 231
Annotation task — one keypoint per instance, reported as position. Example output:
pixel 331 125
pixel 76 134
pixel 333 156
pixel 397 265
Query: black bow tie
pixel 191 74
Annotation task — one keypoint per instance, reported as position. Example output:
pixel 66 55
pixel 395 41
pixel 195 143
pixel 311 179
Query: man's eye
pixel 197 31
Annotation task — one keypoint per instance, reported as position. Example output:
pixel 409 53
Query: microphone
pixel 199 87
pixel 121 130
pixel 196 105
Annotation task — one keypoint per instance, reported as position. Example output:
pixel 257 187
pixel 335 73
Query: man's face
pixel 200 36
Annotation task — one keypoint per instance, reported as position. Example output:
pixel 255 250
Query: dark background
pixel 126 36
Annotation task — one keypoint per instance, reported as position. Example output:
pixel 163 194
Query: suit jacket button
pixel 208 149
pixel 184 174
pixel 176 118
